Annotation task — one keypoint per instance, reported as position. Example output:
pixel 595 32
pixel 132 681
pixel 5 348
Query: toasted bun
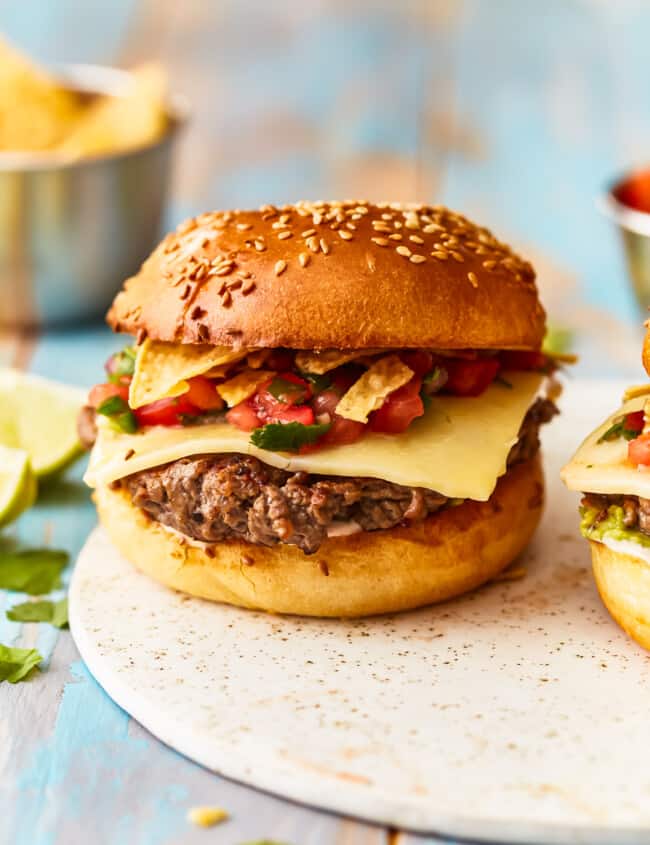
pixel 333 275
pixel 368 573
pixel 623 582
pixel 646 349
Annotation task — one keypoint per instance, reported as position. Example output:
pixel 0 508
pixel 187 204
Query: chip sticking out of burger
pixel 331 409
pixel 612 470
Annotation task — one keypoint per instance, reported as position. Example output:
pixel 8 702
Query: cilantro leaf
pixel 113 405
pixel 54 612
pixel 287 391
pixel 17 663
pixel 619 429
pixel 287 437
pixel 318 382
pixel 32 571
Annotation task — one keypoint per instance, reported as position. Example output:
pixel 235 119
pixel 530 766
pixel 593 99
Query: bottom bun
pixel 359 575
pixel 623 582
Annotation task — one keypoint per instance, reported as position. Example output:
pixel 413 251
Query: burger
pixel 330 409
pixel 612 470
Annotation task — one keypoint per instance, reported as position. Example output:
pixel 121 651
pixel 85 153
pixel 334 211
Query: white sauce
pixel 627 547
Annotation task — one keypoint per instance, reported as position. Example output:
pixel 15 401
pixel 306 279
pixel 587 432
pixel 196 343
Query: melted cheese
pixel 459 447
pixel 604 467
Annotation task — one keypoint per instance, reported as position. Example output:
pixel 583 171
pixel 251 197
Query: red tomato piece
pixel 244 416
pixel 470 378
pixel 293 413
pixel 203 394
pixel 399 410
pixel 166 411
pixel 418 360
pixel 634 421
pixel 342 431
pixel 638 450
pixel 101 392
pixel 635 192
pixel 523 359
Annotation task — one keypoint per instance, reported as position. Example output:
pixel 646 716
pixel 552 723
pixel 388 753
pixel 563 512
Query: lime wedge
pixel 39 416
pixel 17 484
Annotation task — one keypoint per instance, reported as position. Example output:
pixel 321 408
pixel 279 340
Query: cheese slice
pixel 604 467
pixel 459 447
pixel 162 369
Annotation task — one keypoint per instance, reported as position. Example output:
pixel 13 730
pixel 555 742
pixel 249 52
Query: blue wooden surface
pixel 513 111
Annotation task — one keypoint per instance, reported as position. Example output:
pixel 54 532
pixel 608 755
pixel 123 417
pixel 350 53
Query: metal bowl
pixel 71 232
pixel 634 228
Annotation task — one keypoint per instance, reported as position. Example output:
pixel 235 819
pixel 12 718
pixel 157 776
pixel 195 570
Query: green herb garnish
pixel 32 571
pixel 17 663
pixel 54 612
pixel 287 437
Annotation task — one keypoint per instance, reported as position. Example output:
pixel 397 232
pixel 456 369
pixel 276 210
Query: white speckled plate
pixel 519 713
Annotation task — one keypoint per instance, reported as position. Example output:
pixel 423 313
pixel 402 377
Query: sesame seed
pixel 355 216
pixel 472 279
pixel 260 246
pixel 489 265
pixel 285 218
pixel 284 235
pixel 403 250
pixel 343 233
pixel 432 227
pixel 280 267
pixel 226 301
pixel 411 221
pixel 248 287
pixel 440 254
pixel 312 244
pixel 243 227
pixel 245 274
pixel 308 233
pixel 234 284
pixel 304 258
pixel 278 224
pixel 386 216
pixel 380 241
pixel 380 226
pixel 416 239
pixel 395 237
pixel 324 246
pixel 225 270
pixel 397 224
pixel 417 259
pixel 370 261
pixel 457 256
pixel 317 219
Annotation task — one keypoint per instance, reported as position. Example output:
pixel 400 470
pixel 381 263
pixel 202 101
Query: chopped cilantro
pixel 54 612
pixel 32 571
pixel 17 663
pixel 287 437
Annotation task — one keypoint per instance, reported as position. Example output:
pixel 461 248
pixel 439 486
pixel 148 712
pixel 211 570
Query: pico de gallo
pixel 295 410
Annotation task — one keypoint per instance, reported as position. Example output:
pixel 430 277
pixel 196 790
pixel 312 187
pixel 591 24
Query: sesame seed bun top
pixel 333 275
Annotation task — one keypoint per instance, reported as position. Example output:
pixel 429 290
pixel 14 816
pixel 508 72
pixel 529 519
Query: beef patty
pixel 212 498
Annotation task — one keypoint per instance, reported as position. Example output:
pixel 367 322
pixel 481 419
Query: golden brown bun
pixel 369 573
pixel 646 348
pixel 623 582
pixel 354 292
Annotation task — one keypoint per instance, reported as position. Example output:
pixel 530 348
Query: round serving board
pixel 519 713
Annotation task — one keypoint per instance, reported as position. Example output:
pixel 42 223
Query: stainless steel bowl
pixel 634 229
pixel 71 232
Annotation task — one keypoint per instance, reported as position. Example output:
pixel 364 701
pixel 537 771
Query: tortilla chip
pixel 243 385
pixel 636 390
pixel 134 119
pixel 35 111
pixel 162 369
pixel 367 394
pixel 319 362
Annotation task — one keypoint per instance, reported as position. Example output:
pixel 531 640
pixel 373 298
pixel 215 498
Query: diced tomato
pixel 635 191
pixel 638 450
pixel 293 413
pixel 203 394
pixel 342 431
pixel 634 421
pixel 399 410
pixel 418 360
pixel 244 416
pixel 166 411
pixel 470 378
pixel 101 392
pixel 280 360
pixel 523 359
